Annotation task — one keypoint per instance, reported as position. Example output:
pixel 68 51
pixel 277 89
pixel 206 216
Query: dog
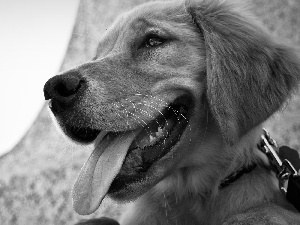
pixel 174 102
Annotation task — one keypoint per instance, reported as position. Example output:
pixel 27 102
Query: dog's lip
pixel 79 134
pixel 83 135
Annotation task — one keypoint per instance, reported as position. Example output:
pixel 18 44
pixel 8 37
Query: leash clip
pixel 283 169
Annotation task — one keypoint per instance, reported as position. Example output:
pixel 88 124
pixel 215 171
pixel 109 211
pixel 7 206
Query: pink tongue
pixel 99 171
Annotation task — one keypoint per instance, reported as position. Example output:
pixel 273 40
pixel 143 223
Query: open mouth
pixel 122 159
pixel 152 143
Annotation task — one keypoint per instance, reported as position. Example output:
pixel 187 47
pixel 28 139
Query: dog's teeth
pixel 152 139
pixel 159 132
pixel 153 136
pixel 154 133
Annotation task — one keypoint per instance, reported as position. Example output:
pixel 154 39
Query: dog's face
pixel 144 87
pixel 166 79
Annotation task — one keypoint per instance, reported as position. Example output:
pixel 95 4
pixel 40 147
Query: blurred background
pixel 34 38
pixel 39 38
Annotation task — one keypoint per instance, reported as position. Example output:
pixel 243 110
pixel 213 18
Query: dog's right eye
pixel 152 41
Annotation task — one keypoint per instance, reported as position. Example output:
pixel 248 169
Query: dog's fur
pixel 237 76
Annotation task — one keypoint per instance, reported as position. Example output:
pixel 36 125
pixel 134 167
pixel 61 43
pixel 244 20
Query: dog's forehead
pixel 156 9
pixel 147 15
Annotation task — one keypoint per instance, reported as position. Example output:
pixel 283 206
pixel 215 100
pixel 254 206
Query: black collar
pixel 236 175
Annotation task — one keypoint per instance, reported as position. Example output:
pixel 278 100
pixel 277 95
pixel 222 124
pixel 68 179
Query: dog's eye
pixel 153 41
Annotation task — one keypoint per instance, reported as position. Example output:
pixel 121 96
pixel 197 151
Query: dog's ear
pixel 249 76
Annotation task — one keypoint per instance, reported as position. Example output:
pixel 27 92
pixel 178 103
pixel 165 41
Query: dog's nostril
pixel 68 87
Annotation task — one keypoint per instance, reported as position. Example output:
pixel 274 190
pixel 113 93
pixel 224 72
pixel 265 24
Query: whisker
pixel 136 118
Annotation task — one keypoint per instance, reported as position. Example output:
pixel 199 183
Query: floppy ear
pixel 249 76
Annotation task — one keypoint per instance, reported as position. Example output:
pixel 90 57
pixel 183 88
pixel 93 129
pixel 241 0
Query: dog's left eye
pixel 153 41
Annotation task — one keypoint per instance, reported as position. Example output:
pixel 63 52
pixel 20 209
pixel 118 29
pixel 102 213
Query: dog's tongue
pixel 99 171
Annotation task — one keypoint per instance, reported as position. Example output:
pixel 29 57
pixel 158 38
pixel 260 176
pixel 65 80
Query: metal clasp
pixel 283 169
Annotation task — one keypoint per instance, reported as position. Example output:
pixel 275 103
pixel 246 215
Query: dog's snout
pixel 63 88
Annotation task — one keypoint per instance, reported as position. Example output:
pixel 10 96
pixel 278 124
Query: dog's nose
pixel 63 88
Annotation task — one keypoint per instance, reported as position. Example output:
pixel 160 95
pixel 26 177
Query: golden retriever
pixel 174 102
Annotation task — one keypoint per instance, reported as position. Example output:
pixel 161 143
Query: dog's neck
pixel 213 203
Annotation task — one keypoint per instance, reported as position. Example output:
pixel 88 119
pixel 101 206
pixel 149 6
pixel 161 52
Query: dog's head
pixel 167 78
